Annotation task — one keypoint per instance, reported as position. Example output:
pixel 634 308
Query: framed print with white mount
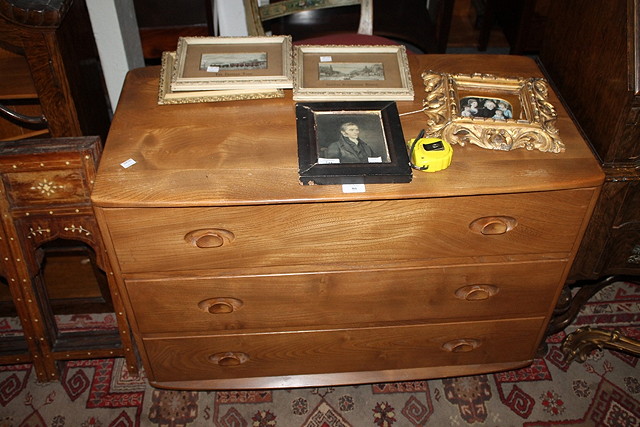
pixel 213 63
pixel 351 143
pixel 168 97
pixel 351 73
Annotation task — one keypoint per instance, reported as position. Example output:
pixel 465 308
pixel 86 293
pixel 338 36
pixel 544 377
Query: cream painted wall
pixel 118 41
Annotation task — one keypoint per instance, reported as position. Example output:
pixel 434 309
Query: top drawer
pixel 345 233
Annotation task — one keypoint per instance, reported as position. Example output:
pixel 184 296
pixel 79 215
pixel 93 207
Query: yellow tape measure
pixel 429 154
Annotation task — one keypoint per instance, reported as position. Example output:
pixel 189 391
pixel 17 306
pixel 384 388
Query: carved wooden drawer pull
pixel 491 225
pixel 476 292
pixel 463 345
pixel 230 358
pixel 209 238
pixel 220 305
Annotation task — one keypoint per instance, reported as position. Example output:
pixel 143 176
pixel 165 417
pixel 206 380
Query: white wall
pixel 118 41
pixel 118 38
pixel 230 17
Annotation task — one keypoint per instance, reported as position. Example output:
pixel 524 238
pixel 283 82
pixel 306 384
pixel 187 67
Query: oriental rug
pixel 602 391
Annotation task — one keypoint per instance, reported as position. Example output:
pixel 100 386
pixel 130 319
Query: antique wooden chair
pixel 315 22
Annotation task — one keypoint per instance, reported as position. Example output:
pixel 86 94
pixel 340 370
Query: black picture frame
pixel 319 125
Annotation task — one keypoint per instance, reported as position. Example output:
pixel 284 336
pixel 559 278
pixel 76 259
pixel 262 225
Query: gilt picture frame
pixel 215 63
pixel 492 112
pixel 168 97
pixel 351 73
pixel 325 155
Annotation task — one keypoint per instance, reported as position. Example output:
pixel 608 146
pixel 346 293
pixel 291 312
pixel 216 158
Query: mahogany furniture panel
pixel 45 186
pixel 601 87
pixel 50 67
pixel 234 275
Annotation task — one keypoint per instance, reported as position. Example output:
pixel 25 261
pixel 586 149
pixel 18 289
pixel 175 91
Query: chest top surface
pixel 245 152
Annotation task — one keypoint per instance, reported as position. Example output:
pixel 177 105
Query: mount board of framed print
pixel 351 73
pixel 167 97
pixel 219 63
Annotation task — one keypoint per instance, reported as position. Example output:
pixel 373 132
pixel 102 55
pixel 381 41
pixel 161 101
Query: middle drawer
pixel 173 305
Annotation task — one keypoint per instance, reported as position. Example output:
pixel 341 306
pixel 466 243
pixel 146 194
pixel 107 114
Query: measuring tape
pixel 429 154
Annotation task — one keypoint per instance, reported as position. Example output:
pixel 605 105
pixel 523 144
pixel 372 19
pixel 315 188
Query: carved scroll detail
pixel 533 129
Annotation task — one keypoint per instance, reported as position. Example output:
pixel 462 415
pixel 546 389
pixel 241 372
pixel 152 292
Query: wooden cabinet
pixel 52 83
pixel 601 87
pixel 237 276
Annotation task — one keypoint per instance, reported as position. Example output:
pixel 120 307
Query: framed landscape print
pixel 168 97
pixel 214 63
pixel 498 113
pixel 351 143
pixel 351 73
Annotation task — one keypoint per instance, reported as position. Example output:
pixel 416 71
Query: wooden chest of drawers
pixel 237 276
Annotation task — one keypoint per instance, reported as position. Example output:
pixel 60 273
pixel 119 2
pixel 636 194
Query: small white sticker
pixel 128 163
pixel 353 188
pixel 325 161
pixel 325 59
pixel 213 69
pixel 375 159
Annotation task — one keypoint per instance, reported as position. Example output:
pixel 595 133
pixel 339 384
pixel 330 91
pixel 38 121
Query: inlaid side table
pixel 46 186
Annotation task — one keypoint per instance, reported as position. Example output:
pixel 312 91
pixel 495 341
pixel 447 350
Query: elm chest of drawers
pixel 237 276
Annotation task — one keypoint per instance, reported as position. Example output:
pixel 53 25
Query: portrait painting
pixel 351 143
pixel 486 107
pixel 490 111
pixel 351 137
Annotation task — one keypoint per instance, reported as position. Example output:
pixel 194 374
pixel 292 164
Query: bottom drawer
pixel 342 350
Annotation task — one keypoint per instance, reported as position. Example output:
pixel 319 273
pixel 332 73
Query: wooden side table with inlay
pixel 45 187
pixel 235 275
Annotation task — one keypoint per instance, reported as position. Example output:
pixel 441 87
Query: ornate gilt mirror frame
pixel 527 119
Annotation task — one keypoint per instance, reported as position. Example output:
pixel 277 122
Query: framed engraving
pixel 213 63
pixel 351 143
pixel 498 113
pixel 351 73
pixel 168 97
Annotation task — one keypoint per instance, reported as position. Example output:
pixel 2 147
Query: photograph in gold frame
pixel 168 97
pixel 351 73
pixel 214 63
pixel 531 124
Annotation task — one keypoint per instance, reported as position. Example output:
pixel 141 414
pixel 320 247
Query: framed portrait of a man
pixel 351 142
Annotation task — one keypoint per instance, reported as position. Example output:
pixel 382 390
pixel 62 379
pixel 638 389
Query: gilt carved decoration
pixel 497 113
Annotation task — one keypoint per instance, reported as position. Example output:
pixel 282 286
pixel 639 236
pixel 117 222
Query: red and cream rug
pixel 603 391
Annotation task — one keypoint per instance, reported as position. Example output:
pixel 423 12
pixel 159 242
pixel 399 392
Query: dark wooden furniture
pixel 410 24
pixel 162 22
pixel 601 86
pixel 45 186
pixel 235 275
pixel 522 22
pixel 50 71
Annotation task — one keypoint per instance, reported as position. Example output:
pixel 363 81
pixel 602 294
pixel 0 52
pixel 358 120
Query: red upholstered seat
pixel 347 39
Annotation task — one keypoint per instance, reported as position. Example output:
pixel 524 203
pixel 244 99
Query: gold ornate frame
pixel 532 126
pixel 168 97
pixel 187 74
pixel 308 85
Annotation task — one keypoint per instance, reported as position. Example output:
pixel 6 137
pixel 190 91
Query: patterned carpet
pixel 603 391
